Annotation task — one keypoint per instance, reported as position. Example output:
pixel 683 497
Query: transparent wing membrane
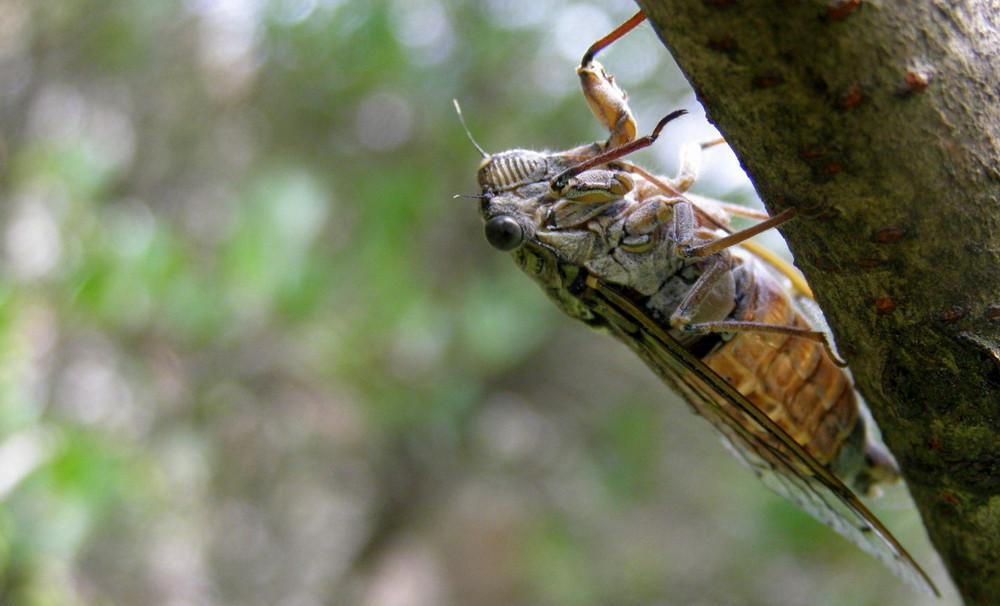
pixel 760 444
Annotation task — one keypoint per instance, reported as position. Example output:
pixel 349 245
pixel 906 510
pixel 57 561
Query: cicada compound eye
pixel 503 232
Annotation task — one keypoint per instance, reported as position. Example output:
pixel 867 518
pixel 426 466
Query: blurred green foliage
pixel 253 352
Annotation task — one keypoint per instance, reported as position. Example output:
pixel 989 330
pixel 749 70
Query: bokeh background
pixel 253 352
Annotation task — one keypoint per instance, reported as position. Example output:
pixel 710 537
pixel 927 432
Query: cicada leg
pixel 606 99
pixel 687 172
pixel 760 327
pixel 690 163
pixel 781 266
pixel 608 40
pixel 688 250
pixel 684 316
pixel 609 104
pixel 560 180
pixel 714 211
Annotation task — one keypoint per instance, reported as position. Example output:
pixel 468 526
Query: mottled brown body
pixel 630 253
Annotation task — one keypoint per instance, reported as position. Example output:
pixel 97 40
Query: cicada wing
pixel 775 458
pixel 825 498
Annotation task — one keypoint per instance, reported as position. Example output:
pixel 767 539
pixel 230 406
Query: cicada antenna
pixel 461 118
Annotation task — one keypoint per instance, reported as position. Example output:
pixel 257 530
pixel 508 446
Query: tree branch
pixel 882 119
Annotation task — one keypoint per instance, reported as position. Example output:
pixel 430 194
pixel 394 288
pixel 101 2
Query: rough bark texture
pixel 883 119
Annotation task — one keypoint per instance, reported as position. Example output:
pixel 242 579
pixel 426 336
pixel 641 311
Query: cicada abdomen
pixel 795 381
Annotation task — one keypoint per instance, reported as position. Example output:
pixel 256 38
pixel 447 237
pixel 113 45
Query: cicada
pixel 634 254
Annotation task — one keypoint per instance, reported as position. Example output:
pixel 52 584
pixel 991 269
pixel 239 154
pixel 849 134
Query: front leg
pixel 586 195
pixel 606 99
pixel 690 166
pixel 608 102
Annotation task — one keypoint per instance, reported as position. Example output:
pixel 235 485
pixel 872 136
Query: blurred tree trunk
pixel 883 119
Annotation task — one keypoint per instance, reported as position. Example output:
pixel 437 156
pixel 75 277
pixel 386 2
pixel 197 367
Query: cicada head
pixel 512 184
pixel 521 209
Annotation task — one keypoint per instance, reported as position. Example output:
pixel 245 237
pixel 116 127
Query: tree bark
pixel 883 120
